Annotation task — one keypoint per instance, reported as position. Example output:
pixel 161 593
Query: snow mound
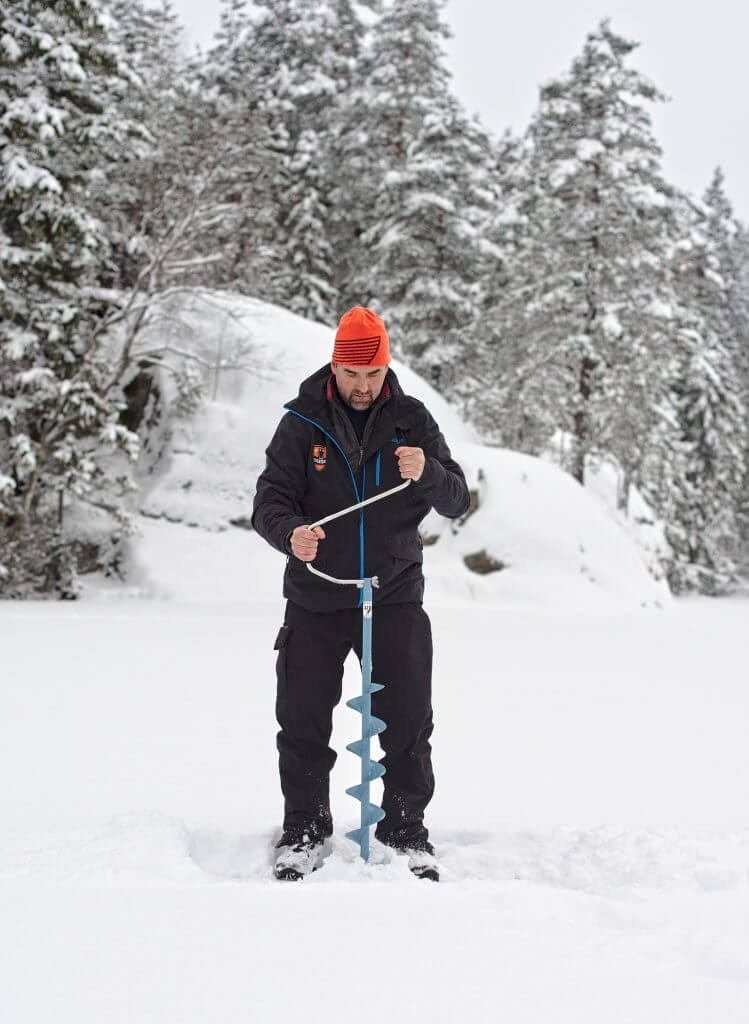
pixel 206 476
pixel 548 540
pixel 536 537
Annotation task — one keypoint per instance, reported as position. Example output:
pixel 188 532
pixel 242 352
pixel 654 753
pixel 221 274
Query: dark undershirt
pixel 358 419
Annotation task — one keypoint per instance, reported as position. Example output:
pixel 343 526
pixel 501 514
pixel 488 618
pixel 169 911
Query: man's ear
pixel 332 365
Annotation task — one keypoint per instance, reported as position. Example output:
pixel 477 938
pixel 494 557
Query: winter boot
pixel 421 859
pixel 423 863
pixel 299 854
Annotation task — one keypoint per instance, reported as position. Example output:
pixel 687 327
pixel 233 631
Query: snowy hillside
pixel 556 542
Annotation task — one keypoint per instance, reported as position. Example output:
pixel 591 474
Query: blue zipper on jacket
pixel 377 468
pixel 356 491
pixel 361 534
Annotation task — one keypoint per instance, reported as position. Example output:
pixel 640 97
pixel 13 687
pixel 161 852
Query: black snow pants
pixel 312 647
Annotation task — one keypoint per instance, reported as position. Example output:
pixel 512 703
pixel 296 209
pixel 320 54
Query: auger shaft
pixel 366 721
pixel 371 726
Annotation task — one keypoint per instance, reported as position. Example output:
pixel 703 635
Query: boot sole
pixel 429 873
pixel 288 875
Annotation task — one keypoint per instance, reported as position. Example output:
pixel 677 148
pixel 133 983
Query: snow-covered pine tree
pixel 303 54
pixel 414 194
pixel 240 237
pixel 741 256
pixel 403 78
pixel 729 241
pixel 741 250
pixel 399 78
pixel 178 194
pixel 494 342
pixel 583 326
pixel 134 203
pixel 427 248
pixel 61 135
pixel 702 525
pixel 305 274
pixel 725 235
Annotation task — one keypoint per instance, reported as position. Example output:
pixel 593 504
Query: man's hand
pixel 411 462
pixel 304 542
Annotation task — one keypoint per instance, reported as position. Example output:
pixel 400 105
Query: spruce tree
pixel 425 249
pixel 724 233
pixel 61 137
pixel 496 345
pixel 583 328
pixel 241 231
pixel 411 202
pixel 741 250
pixel 702 526
pixel 399 78
pixel 134 204
pixel 303 57
pixel 729 240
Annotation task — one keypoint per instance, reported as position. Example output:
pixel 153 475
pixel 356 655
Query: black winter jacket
pixel 315 465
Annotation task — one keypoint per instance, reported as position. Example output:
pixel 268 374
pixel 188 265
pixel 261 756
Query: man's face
pixel 359 386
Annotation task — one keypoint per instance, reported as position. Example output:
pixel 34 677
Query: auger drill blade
pixel 373 814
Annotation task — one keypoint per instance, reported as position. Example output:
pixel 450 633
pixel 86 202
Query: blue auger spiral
pixel 371 726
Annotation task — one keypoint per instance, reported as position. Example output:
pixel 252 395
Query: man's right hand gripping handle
pixel 304 541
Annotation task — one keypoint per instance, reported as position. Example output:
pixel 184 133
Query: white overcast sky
pixel 695 52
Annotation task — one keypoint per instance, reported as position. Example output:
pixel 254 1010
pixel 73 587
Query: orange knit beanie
pixel 361 339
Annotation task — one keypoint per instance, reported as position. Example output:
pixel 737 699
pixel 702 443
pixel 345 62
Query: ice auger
pixel 371 726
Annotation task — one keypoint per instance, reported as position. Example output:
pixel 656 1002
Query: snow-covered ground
pixel 590 816
pixel 592 805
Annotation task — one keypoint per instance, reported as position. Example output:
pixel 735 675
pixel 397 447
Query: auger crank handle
pixel 359 505
pixel 343 512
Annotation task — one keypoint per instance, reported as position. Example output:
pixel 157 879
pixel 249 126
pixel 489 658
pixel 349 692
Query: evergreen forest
pixel 553 285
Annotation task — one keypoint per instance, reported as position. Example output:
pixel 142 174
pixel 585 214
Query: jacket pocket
pixel 407 548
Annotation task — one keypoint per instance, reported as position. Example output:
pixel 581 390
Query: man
pixel 352 433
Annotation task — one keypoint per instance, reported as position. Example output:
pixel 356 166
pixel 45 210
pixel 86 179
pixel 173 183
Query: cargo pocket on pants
pixel 280 646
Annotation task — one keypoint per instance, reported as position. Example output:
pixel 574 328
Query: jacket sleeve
pixel 442 484
pixel 277 508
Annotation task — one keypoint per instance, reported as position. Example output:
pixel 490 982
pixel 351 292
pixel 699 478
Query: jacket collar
pixel 313 402
pixel 317 391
